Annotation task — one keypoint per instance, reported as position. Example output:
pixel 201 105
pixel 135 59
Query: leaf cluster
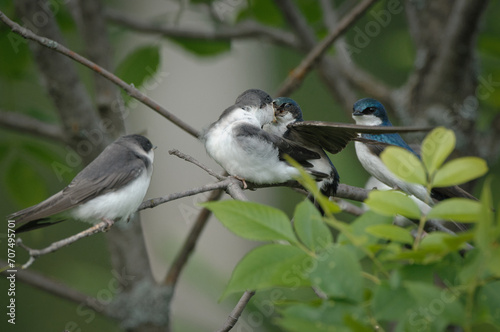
pixel 373 274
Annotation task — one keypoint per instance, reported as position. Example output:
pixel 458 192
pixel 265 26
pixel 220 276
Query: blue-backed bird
pixel 370 112
pixel 237 142
pixel 112 186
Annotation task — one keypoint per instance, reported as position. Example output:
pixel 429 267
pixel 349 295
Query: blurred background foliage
pixel 26 162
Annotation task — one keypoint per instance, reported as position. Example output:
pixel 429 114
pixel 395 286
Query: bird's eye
pixel 369 110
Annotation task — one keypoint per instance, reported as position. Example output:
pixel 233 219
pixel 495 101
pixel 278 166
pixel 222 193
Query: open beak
pixel 274 113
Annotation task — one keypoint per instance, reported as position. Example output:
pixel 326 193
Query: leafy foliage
pixel 373 274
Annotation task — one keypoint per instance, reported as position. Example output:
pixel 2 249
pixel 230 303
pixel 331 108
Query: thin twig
pixel 56 288
pixel 297 75
pixel 236 313
pixel 35 253
pixel 27 124
pixel 130 89
pixel 348 207
pixel 243 30
pixel 154 202
pixel 190 242
pixel 190 159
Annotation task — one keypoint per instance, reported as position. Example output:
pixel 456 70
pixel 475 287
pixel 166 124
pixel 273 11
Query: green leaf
pixel 358 233
pixel 459 171
pixel 308 182
pixel 485 231
pixel 138 66
pixel 456 209
pixel 338 274
pixel 391 232
pixel 436 147
pixel 391 203
pixel 253 221
pixel 489 298
pixel 202 47
pixel 324 316
pixel 310 227
pixel 404 164
pixel 264 11
pixel 267 266
pixel 443 306
pixel 391 303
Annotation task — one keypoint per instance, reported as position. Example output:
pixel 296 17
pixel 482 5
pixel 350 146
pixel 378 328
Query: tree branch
pixel 26 124
pixel 98 48
pixel 154 202
pixel 190 159
pixel 187 249
pixel 243 30
pixel 60 76
pixel 56 288
pixel 297 75
pixel 131 90
pixel 236 313
pixel 35 253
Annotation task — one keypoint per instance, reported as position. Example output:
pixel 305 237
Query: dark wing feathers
pixel 296 151
pixel 334 137
pixel 92 181
pixel 448 192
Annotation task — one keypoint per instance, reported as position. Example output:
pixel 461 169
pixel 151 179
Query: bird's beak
pixel 274 113
pixel 357 113
pixel 155 147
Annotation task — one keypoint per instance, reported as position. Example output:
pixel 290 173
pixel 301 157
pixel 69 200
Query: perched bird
pixel 287 112
pixel 237 142
pixel 370 112
pixel 112 186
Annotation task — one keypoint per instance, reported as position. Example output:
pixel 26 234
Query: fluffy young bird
pixel 237 142
pixel 112 186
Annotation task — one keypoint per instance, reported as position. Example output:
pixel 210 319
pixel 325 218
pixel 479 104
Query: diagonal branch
pixel 130 89
pixel 236 313
pixel 35 253
pixel 56 288
pixel 297 75
pixel 187 249
pixel 243 30
pixel 26 124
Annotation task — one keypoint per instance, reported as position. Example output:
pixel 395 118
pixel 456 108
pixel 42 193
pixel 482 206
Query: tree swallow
pixel 237 142
pixel 112 186
pixel 287 112
pixel 370 112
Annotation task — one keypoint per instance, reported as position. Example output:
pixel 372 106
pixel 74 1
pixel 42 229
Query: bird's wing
pixel 92 181
pixel 296 151
pixel 334 137
pixel 449 192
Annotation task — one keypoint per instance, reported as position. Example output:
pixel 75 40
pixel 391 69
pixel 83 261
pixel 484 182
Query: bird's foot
pixel 109 223
pixel 245 186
